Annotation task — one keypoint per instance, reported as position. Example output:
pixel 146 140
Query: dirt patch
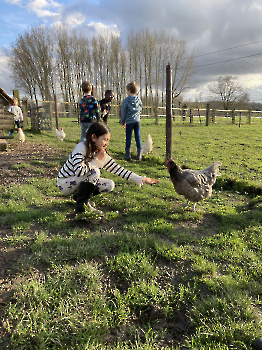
pixel 22 160
pixel 206 227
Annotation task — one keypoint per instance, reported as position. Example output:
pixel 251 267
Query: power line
pixel 230 48
pixel 232 59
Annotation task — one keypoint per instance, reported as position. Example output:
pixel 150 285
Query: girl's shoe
pixel 89 213
pixel 90 208
pixel 92 204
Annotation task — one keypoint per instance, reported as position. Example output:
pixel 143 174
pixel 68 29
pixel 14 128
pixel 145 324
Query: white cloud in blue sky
pixel 206 25
pixel 46 10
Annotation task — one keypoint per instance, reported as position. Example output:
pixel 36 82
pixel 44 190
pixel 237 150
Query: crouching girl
pixel 80 175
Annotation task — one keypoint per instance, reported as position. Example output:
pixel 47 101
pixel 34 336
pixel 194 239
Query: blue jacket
pixel 131 110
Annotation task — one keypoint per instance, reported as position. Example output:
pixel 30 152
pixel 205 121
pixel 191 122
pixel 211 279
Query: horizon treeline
pixel 56 60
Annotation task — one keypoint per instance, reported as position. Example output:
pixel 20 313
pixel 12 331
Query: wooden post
pixel 198 111
pixel 155 109
pixel 207 114
pixel 184 108
pixel 56 112
pixel 50 111
pixel 240 119
pixel 233 116
pixel 249 116
pixel 191 116
pixel 38 121
pixel 168 111
pixel 213 115
pixel 25 114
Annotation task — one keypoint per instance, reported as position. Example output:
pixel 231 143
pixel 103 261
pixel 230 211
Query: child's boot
pixel 128 154
pixel 139 154
pixel 95 193
pixel 85 192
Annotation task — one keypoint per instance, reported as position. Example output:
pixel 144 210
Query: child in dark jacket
pixel 89 109
pixel 105 104
pixel 130 116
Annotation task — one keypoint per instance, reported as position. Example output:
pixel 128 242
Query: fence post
pixel 191 116
pixel 249 116
pixel 56 112
pixel 155 109
pixel 240 119
pixel 184 107
pixel 207 114
pixel 213 115
pixel 50 111
pixel 233 116
pixel 25 113
pixel 198 111
pixel 168 111
pixel 38 121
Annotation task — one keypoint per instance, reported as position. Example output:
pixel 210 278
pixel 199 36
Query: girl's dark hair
pixel 98 129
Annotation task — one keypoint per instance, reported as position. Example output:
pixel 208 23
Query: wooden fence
pixel 43 114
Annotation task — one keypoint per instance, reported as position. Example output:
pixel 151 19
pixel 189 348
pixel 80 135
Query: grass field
pixel 148 275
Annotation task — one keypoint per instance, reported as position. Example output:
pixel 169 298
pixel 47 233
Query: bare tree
pixel 82 63
pixel 181 60
pixel 153 52
pixel 147 54
pixel 31 62
pixel 45 61
pixel 64 62
pixel 22 69
pixel 135 57
pixel 229 90
pixel 115 63
pixel 42 54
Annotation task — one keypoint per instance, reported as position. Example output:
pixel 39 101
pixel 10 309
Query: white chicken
pixel 60 134
pixel 147 147
pixel 20 135
pixel 194 185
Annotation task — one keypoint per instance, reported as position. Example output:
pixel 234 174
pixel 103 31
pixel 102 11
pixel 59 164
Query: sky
pixel 226 35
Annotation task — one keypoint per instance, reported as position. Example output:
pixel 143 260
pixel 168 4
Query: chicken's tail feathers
pixel 214 168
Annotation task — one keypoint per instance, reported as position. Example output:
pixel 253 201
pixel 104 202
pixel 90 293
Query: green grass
pixel 150 274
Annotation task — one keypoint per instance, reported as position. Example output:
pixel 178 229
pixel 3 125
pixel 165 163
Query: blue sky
pixel 207 25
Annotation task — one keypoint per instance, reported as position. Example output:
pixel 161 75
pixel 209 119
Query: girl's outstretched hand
pixel 150 181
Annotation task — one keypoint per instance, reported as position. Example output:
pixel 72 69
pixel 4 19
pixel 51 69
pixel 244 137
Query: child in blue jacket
pixel 130 115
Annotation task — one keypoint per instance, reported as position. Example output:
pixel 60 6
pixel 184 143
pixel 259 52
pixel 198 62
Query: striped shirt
pixel 76 166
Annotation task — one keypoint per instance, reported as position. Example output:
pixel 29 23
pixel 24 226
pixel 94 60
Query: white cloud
pixel 42 8
pixel 14 2
pixel 101 28
pixel 253 8
pixel 74 19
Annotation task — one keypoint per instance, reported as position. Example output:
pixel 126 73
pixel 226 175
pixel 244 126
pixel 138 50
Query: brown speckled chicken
pixel 194 185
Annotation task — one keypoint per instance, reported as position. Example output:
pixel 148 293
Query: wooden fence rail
pixel 43 115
